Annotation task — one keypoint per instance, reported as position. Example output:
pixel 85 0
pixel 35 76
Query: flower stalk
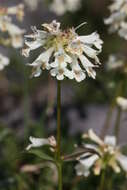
pixel 102 180
pixel 117 124
pixel 58 153
pixel 119 91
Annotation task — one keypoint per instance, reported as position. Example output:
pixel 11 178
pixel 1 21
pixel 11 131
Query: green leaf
pixel 42 155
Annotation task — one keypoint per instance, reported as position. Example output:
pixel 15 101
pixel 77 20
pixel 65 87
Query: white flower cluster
pixel 66 54
pixel 15 34
pixel 117 19
pixel 100 155
pixel 62 6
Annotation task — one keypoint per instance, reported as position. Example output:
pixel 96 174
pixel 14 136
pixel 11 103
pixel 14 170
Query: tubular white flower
pixel 83 168
pixel 38 142
pixel 4 61
pixel 96 154
pixel 85 164
pixel 78 74
pixel 117 19
pixel 92 136
pixel 72 56
pixel 42 62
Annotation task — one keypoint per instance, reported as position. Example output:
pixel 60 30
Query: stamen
pixel 79 26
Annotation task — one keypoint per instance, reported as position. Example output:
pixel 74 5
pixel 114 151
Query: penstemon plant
pixel 65 54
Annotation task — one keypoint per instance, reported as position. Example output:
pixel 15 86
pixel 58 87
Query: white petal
pixel 60 76
pixel 43 57
pixel 123 161
pixel 68 58
pixel 91 72
pixel 85 62
pixel 91 53
pixel 37 142
pixel 110 140
pixel 68 74
pixel 37 72
pixel 53 72
pixel 81 170
pixel 79 75
pixel 33 44
pixel 54 64
pixel 26 52
pixel 92 39
pixel 89 162
pixel 94 137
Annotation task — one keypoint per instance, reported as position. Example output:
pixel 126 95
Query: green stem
pixel 109 183
pixel 117 124
pixel 102 181
pixel 110 111
pixel 108 119
pixel 59 167
pixel 58 153
pixel 58 119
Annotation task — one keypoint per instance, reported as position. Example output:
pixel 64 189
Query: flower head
pixel 65 53
pixel 100 154
pixel 117 19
